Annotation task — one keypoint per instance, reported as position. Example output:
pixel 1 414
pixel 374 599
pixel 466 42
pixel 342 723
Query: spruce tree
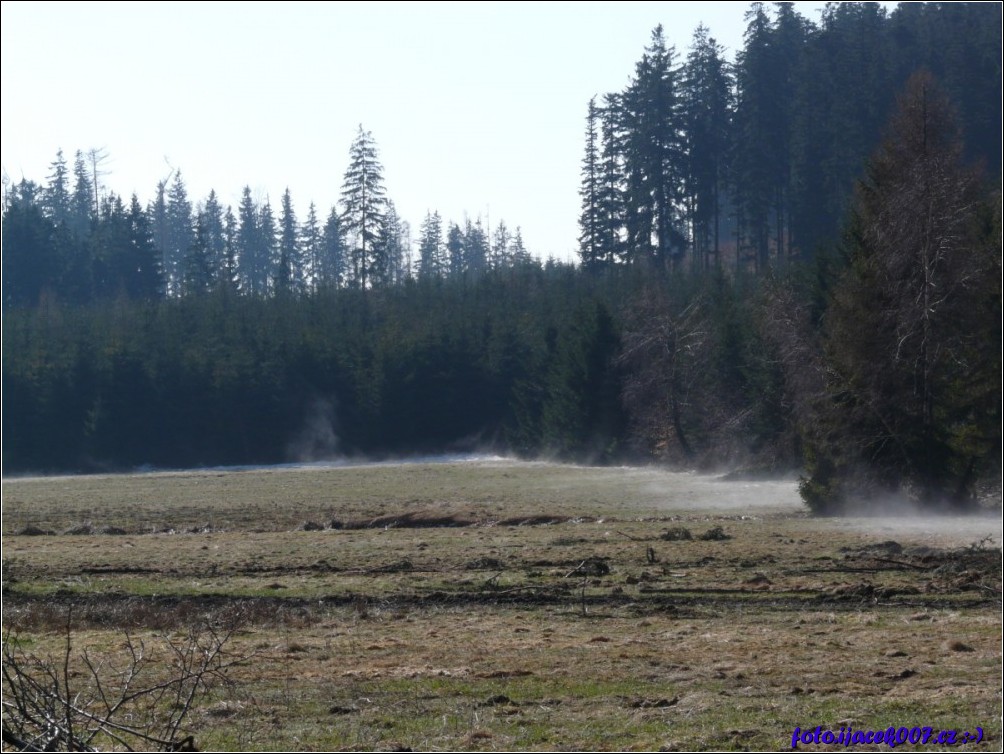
pixel 475 248
pixel 610 194
pixel 251 267
pixel 57 198
pixel 198 274
pixel 755 133
pixel 590 218
pixel 363 207
pixel 289 270
pixel 765 86
pixel 654 157
pixel 82 208
pixel 520 256
pixel 390 258
pixel 332 266
pixel 455 251
pixel 310 237
pixel 180 235
pixel 229 278
pixel 109 250
pixel 148 279
pixel 257 260
pixel 268 247
pixel 31 260
pixel 842 94
pixel 707 95
pixel 430 247
pixel 216 243
pixel 157 213
pixel 501 253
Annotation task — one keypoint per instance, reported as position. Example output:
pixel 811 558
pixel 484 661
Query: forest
pixel 789 261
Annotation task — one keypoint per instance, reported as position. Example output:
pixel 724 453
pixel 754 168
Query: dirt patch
pixel 419 519
pixel 33 531
pixel 542 519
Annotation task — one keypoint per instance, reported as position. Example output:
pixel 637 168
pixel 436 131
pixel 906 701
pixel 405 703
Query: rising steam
pixel 317 439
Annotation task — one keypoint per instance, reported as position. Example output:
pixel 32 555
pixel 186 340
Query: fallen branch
pixel 633 539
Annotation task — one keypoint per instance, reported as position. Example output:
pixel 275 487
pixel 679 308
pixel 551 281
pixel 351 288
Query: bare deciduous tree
pixel 665 346
pixel 913 400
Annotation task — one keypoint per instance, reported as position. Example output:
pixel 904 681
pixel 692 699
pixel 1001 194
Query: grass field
pixel 498 605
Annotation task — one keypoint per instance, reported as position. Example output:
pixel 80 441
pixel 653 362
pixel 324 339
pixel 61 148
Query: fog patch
pixel 316 439
pixel 934 530
pixel 474 458
pixel 897 516
pixel 699 492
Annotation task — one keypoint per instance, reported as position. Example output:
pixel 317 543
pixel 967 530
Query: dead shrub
pixel 677 534
pixel 714 534
pixel 77 701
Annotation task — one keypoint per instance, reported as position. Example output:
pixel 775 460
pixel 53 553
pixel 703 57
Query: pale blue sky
pixel 475 107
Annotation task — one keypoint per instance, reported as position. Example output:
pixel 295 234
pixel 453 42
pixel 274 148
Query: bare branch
pixel 48 706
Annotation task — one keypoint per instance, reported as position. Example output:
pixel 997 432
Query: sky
pixel 477 109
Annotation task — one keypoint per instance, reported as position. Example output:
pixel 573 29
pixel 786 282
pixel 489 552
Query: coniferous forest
pixel 788 261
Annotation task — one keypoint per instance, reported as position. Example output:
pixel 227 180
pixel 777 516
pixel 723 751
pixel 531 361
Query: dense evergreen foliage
pixel 752 164
pixel 759 287
pixel 530 359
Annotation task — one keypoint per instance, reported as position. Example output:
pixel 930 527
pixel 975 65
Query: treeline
pixel 698 162
pixel 751 163
pixel 72 240
pixel 223 378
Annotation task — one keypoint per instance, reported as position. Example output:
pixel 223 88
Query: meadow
pixel 490 604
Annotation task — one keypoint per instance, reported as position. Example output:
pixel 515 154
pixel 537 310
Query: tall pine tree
pixel 310 238
pixel 364 207
pixel 57 198
pixel 430 248
pixel 707 92
pixel 332 265
pixel 654 157
pixel 591 218
pixel 180 235
pixel 289 273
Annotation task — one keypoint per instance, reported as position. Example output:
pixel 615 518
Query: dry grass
pixel 445 628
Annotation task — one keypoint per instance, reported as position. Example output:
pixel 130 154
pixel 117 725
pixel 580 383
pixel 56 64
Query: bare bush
pixel 676 534
pixel 79 702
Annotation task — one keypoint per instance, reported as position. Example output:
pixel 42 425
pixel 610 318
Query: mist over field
pixel 674 492
pixel 491 478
